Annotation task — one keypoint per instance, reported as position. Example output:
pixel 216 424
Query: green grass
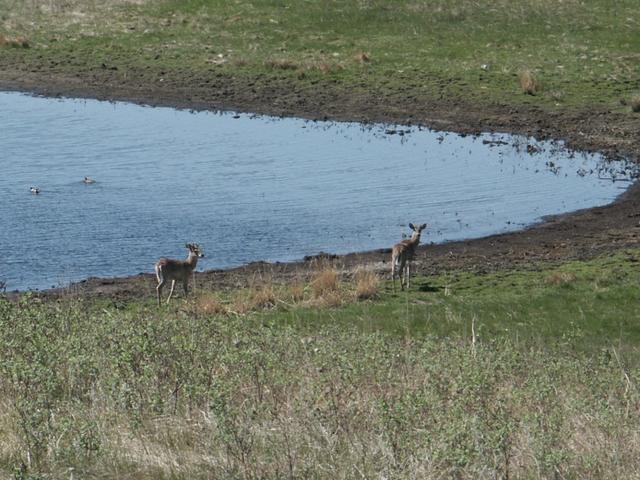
pixel 588 305
pixel 395 386
pixel 584 54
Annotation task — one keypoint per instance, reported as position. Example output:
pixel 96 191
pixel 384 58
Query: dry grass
pixel 635 103
pixel 561 278
pixel 264 297
pixel 10 440
pixel 296 292
pixel 281 64
pixel 17 42
pixel 528 82
pixel 363 57
pixel 327 67
pixel 241 304
pixel 327 281
pixel 367 285
pixel 325 288
pixel 208 304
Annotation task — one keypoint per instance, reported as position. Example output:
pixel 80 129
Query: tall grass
pixel 192 391
pixel 138 393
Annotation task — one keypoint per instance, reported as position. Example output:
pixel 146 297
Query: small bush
pixel 326 282
pixel 281 64
pixel 328 67
pixel 330 299
pixel 264 297
pixel 635 103
pixel 363 57
pixel 22 42
pixel 296 291
pixel 367 285
pixel 561 278
pixel 18 42
pixel 528 82
pixel 208 304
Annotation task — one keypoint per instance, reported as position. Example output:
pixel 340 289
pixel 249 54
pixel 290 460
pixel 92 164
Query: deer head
pixel 195 249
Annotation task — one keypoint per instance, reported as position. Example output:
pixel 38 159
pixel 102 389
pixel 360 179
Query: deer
pixel 174 270
pixel 401 255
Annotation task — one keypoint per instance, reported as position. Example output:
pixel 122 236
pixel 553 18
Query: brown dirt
pixel 579 235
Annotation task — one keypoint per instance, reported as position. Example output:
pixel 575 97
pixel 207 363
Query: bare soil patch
pixel 578 235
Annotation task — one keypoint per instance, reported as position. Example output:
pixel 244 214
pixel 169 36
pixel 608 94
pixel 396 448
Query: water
pixel 254 188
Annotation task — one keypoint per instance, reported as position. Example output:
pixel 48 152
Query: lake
pixel 256 188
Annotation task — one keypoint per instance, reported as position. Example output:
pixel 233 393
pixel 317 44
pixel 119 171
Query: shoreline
pixel 573 235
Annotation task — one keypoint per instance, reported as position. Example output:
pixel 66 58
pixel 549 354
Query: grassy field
pixel 516 374
pixel 579 54
pixel 510 375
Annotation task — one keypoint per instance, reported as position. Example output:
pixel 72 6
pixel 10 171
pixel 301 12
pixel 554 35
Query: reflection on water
pixel 255 188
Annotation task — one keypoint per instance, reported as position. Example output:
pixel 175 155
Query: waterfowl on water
pixel 88 180
pixel 34 190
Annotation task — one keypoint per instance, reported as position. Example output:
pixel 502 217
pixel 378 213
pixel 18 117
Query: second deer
pixel 402 254
pixel 177 270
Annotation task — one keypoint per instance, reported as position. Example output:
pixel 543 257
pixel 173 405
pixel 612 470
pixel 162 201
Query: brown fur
pixel 401 255
pixel 177 270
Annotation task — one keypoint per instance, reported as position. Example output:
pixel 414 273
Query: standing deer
pixel 169 269
pixel 402 254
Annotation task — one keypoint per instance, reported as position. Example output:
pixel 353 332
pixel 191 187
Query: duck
pixel 34 190
pixel 88 180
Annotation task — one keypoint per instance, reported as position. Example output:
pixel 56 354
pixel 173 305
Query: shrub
pixel 281 64
pixel 18 42
pixel 208 304
pixel 367 285
pixel 296 290
pixel 264 297
pixel 325 282
pixel 561 278
pixel 528 82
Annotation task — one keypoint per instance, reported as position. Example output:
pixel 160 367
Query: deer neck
pixel 192 260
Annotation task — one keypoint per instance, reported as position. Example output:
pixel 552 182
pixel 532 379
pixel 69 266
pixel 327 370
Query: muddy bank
pixel 577 235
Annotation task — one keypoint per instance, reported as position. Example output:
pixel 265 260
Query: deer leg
pixel 408 274
pixel 161 282
pixel 393 273
pixel 159 289
pixel 173 284
pixel 402 274
pixel 185 286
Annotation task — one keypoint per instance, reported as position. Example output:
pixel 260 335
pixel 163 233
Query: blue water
pixel 254 188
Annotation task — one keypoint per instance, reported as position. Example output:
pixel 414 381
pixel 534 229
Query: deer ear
pixel 411 226
pixel 187 245
pixel 424 225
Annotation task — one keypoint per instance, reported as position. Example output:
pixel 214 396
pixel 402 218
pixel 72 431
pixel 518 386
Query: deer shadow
pixel 428 287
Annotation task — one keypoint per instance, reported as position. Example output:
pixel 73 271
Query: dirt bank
pixel 577 235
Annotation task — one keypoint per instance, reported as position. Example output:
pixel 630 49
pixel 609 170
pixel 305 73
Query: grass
pixel 394 387
pixel 528 374
pixel 585 52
